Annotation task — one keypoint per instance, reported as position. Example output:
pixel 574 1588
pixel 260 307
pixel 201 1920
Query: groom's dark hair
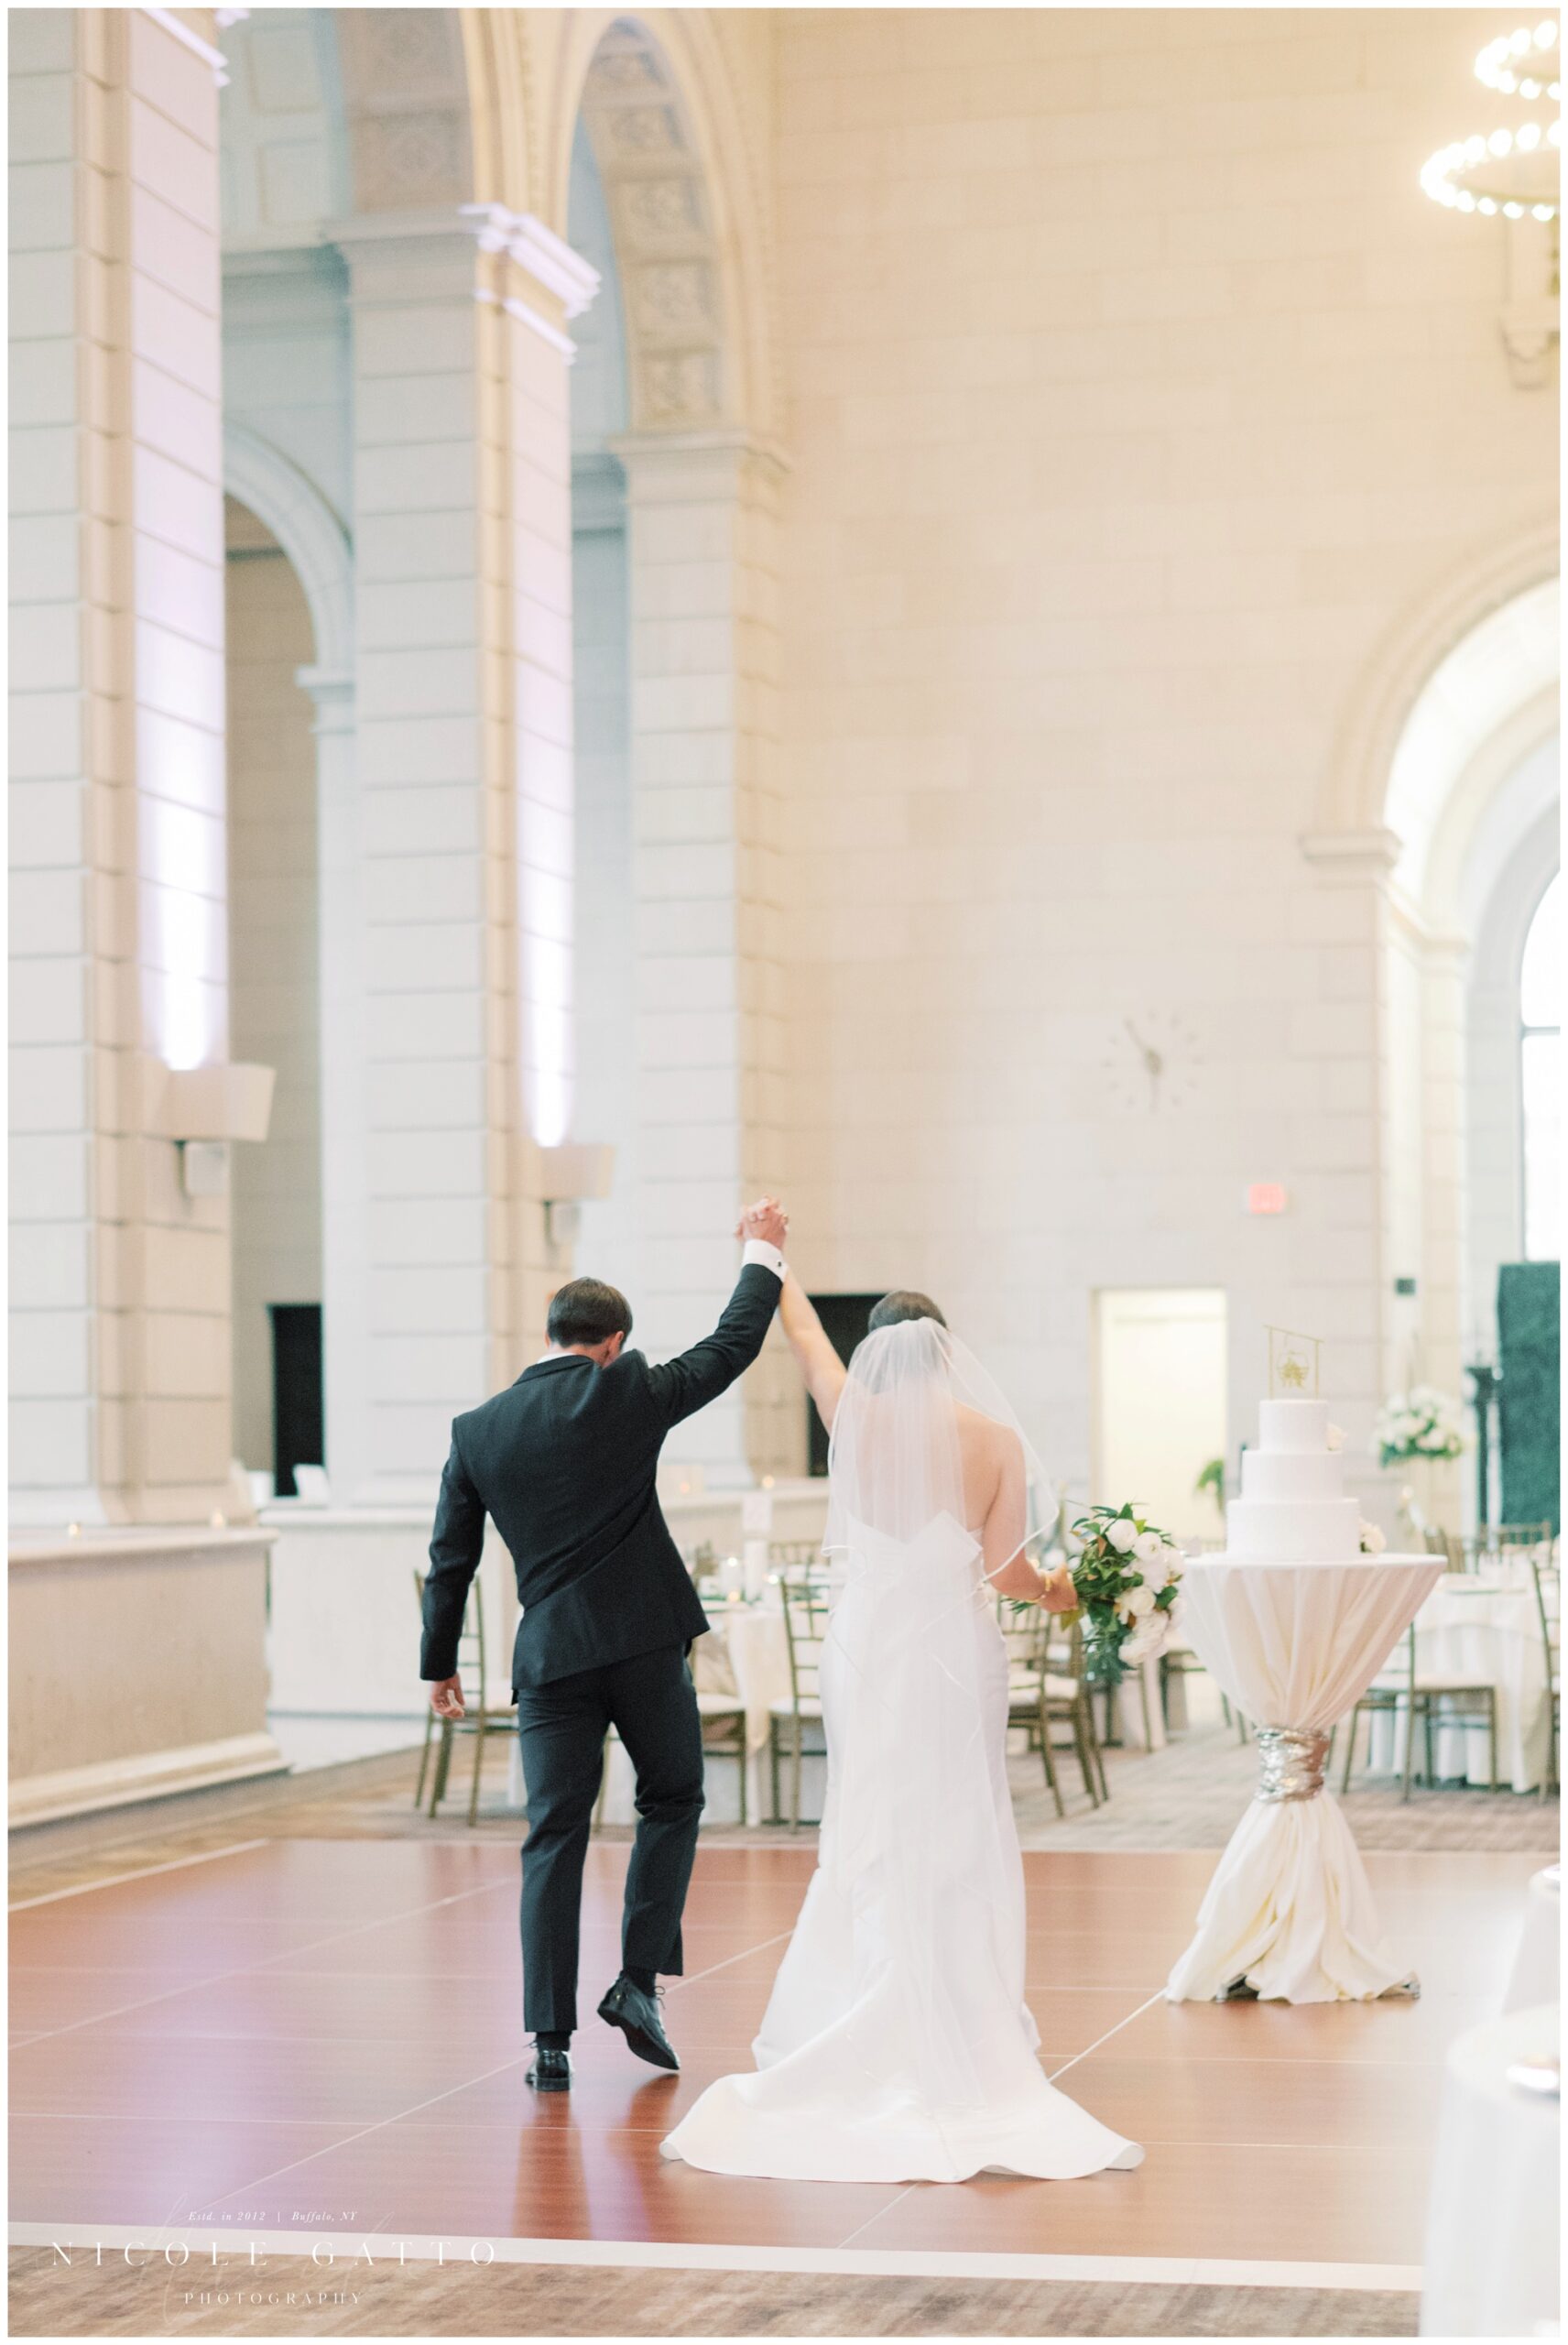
pixel 904 1303
pixel 586 1311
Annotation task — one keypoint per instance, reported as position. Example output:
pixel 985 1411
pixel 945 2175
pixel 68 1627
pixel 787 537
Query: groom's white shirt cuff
pixel 757 1249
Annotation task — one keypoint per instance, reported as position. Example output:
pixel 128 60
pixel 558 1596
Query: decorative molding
pixel 530 318
pixel 331 689
pixel 307 529
pixel 547 258
pixel 116 1782
pixel 1353 854
pixel 178 29
pixel 668 466
pixel 129 1544
pixel 667 245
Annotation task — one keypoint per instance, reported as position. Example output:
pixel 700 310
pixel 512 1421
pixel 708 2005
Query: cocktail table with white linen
pixel 1290 1910
pixel 1476 1631
pixel 745 1654
pixel 1492 2218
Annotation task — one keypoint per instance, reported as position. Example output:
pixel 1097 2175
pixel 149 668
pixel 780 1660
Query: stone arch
pixel 654 93
pixel 310 532
pixel 1354 799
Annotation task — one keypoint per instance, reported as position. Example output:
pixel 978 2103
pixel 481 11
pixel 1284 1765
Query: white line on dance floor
pixel 193 2249
pixel 142 1872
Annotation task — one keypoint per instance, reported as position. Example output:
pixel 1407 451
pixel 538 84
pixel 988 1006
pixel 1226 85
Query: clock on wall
pixel 1151 1063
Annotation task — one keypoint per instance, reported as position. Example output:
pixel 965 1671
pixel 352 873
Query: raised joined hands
pixel 768 1220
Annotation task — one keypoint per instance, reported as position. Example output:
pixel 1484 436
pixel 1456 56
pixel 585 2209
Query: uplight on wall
pixel 568 1176
pixel 204 1110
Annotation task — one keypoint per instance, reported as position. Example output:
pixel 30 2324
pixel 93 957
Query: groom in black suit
pixel 564 1463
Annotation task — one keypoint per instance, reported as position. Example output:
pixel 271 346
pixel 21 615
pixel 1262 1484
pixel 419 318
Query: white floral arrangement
pixel 1373 1541
pixel 1128 1577
pixel 1421 1423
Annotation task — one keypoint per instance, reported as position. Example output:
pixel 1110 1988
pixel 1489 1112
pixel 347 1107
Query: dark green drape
pixel 1529 1397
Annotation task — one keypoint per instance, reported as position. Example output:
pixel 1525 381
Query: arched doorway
pixel 1471 811
pixel 274 1003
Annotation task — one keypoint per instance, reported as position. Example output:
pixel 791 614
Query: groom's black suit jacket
pixel 564 1462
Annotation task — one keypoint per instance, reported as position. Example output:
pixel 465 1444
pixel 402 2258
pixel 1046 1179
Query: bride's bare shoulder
pixel 984 1436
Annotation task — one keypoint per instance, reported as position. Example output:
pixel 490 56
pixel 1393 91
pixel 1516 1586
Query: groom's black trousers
pixel 650 1702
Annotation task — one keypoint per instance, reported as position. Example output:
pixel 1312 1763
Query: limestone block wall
pixel 1135 390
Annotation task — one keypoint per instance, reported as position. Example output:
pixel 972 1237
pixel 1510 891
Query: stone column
pixel 703 511
pixel 463 752
pixel 121 1363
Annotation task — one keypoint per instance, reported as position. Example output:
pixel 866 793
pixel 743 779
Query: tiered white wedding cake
pixel 1292 1508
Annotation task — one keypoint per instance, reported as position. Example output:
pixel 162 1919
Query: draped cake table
pixel 1290 1910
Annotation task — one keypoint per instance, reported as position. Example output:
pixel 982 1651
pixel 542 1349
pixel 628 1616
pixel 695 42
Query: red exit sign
pixel 1266 1196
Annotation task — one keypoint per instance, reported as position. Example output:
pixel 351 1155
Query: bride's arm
pixel 1006 1566
pixel 807 1338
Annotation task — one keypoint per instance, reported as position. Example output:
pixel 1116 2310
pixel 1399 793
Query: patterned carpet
pixel 1191 1795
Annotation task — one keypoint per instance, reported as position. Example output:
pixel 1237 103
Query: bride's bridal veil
pixel 917 1805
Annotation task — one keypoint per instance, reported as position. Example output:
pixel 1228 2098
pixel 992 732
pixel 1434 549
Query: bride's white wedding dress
pixel 896 2045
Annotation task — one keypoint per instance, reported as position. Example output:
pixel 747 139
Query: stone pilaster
pixel 702 511
pixel 463 744
pixel 121 1376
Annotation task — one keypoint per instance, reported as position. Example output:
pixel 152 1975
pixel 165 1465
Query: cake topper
pixel 1292 1363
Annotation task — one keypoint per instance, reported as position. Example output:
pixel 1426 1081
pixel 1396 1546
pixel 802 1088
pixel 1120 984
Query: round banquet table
pixel 1535 1977
pixel 1289 1911
pixel 1491 2235
pixel 745 1653
pixel 1478 1631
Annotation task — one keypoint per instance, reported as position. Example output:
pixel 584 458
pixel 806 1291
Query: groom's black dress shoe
pixel 638 2017
pixel 550 2071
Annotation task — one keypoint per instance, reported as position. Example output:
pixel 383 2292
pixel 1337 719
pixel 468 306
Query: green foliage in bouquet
pixel 1128 1577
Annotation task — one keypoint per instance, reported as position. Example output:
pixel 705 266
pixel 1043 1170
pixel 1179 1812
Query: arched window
pixel 1541 1045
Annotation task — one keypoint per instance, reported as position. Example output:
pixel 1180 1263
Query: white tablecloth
pixel 1136 1698
pixel 1294 1645
pixel 1491 2239
pixel 745 1654
pixel 1536 1976
pixel 1477 1632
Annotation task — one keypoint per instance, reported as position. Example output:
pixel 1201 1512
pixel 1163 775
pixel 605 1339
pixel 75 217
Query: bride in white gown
pixel 896 2045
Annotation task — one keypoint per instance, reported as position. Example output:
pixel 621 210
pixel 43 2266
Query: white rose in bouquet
pixel 1148 1547
pixel 1122 1534
pixel 1145 1642
pixel 1135 1603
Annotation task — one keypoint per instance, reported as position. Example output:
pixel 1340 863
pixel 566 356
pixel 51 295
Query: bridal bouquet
pixel 1126 1577
pixel 1421 1423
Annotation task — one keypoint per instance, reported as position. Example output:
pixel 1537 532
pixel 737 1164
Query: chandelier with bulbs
pixel 1512 172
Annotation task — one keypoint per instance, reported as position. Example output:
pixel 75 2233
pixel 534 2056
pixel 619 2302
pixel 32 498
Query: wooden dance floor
pixel 325 2037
